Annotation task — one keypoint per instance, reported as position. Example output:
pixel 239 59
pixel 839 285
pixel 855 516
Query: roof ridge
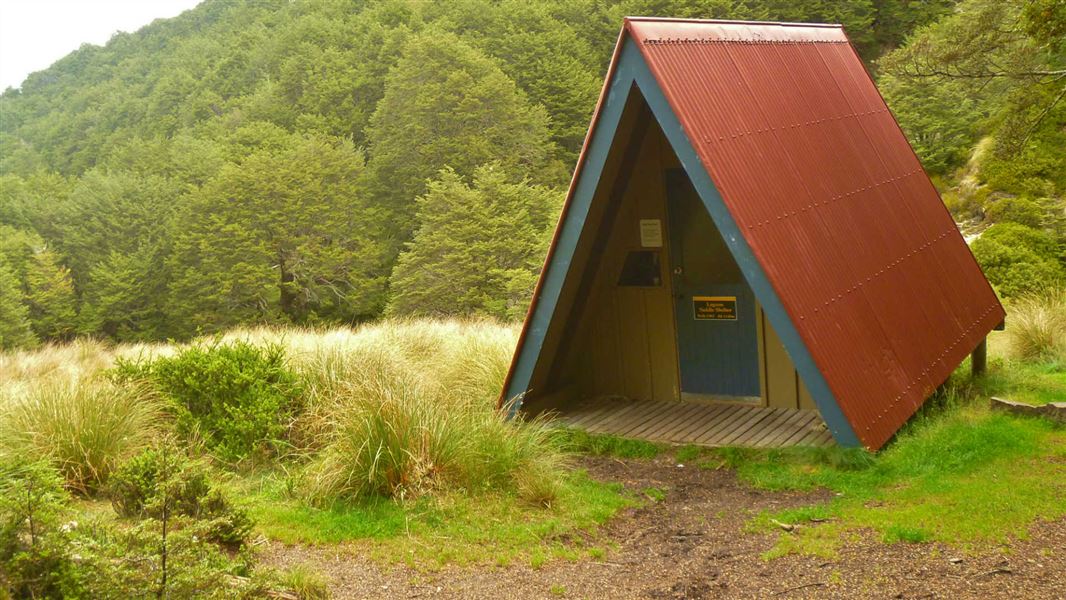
pixel 634 18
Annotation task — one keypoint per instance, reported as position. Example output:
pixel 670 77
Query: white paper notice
pixel 651 233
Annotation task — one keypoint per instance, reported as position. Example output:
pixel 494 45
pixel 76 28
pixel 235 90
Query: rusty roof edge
pixel 732 22
pixel 612 67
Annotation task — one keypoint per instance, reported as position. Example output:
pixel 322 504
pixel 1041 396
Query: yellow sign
pixel 714 308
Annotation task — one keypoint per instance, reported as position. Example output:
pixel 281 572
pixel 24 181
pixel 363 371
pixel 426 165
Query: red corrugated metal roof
pixel 834 204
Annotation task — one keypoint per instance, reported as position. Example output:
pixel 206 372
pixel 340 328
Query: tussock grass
pixel 397 408
pixel 1036 327
pixel 86 427
pixel 404 408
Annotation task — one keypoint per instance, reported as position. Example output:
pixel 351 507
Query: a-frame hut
pixel 749 249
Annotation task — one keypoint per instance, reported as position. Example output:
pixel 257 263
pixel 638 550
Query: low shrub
pixel 1019 260
pixel 162 479
pixel 1036 326
pixel 1023 211
pixel 238 397
pixel 127 562
pixel 35 561
pixel 85 427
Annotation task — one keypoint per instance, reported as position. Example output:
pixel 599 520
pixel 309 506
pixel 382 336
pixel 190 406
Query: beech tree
pixel 478 248
pixel 50 296
pixel 448 105
pixel 284 234
pixel 15 329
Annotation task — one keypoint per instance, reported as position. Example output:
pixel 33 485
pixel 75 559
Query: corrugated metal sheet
pixel 833 202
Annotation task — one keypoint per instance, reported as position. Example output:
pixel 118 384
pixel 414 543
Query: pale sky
pixel 36 33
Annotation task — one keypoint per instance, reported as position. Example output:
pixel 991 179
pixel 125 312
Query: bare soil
pixel 693 544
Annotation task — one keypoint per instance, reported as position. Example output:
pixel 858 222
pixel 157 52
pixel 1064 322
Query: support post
pixel 978 358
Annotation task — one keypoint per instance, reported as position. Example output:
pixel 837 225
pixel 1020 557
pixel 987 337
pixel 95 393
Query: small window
pixel 641 269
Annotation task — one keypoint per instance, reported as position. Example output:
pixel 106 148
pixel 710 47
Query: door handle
pixel 678 270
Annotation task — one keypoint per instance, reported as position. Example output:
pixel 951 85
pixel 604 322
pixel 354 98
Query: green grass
pixel 959 473
pixel 305 582
pixel 655 494
pixel 487 528
pixel 580 441
pixel 1033 383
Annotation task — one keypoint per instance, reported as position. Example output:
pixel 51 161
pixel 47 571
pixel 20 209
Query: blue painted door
pixel 717 343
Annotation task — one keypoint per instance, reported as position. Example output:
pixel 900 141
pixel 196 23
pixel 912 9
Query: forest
pixel 333 162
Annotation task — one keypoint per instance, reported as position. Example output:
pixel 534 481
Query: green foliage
pixel 448 105
pixel 162 478
pixel 125 296
pixel 237 396
pixel 1016 210
pixel 477 250
pixel 986 69
pixel 125 561
pixel 50 296
pixel 15 328
pixel 35 561
pixel 48 550
pixel 1019 259
pixel 938 119
pixel 85 428
pixel 301 241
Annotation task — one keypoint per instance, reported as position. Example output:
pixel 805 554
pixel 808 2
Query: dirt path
pixel 693 545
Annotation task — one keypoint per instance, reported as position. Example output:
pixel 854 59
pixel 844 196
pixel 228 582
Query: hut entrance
pixel 717 335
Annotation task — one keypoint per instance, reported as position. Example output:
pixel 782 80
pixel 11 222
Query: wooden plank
pixel 615 424
pixel 735 419
pixel 607 405
pixel 808 439
pixel 786 430
pixel 780 373
pixel 606 418
pixel 677 410
pixel 744 432
pixel 678 415
pixel 664 412
pixel 802 429
pixel 690 420
pixel 686 432
pixel 575 417
pixel 823 439
pixel 699 423
pixel 626 421
pixel 770 427
pixel 726 424
pixel 582 408
pixel 660 411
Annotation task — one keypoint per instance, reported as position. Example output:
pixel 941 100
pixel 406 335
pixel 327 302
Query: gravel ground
pixel 693 545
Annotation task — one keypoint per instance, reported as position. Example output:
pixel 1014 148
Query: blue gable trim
pixel 556 273
pixel 632 68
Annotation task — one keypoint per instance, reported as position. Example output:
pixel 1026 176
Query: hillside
pixel 330 162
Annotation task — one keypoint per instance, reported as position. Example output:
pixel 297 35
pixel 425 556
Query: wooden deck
pixel 699 423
